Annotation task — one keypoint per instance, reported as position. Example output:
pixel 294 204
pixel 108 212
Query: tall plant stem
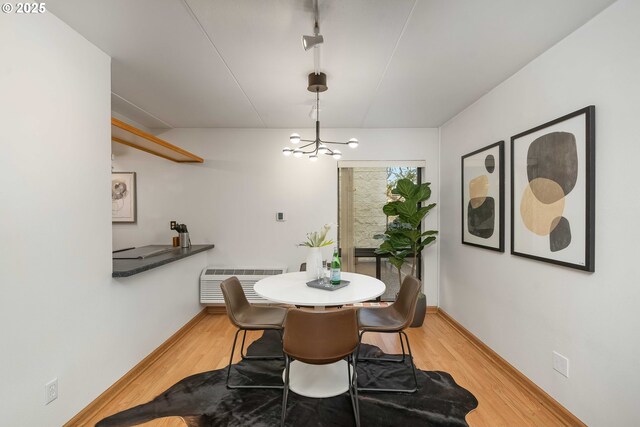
pixel 413 267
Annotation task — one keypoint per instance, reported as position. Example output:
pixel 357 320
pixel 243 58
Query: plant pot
pixel 421 311
pixel 314 263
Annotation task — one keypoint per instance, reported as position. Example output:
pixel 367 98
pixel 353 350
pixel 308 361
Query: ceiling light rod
pixel 317 84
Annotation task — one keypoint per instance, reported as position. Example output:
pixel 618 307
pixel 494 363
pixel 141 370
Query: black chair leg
pixel 413 368
pixel 233 349
pixel 245 357
pixel 382 359
pixel 353 389
pixel 285 391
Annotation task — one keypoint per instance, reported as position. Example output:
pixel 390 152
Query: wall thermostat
pixel 280 216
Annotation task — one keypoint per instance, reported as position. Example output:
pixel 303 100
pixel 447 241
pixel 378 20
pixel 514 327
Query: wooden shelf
pixel 136 138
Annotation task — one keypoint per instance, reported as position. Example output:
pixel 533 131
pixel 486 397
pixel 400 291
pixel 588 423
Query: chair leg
pixel 353 389
pixel 413 370
pixel 413 366
pixel 285 390
pixel 245 357
pixel 229 386
pixel 382 359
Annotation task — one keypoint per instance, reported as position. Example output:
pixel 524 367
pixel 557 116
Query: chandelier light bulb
pixel 294 138
pixel 337 154
pixel 322 149
pixel 313 157
pixel 353 143
pixel 287 151
pixel 297 153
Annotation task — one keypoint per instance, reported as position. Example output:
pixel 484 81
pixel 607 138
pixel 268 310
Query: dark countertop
pixel 129 267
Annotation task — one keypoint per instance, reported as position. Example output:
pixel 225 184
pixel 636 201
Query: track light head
pixel 310 41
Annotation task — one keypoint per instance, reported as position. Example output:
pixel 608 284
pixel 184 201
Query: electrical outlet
pixel 172 225
pixel 561 364
pixel 51 391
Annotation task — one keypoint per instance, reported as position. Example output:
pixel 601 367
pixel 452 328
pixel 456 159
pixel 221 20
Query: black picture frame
pixel 467 237
pixel 126 201
pixel 582 203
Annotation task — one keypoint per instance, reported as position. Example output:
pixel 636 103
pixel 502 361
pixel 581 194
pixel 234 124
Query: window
pixel 363 191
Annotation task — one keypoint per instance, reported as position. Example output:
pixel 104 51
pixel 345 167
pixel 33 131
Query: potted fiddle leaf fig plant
pixel 403 237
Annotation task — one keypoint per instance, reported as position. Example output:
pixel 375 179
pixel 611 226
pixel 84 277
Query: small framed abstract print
pixel 123 197
pixel 483 197
pixel 553 191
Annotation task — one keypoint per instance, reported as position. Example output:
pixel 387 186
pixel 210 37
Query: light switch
pixel 280 216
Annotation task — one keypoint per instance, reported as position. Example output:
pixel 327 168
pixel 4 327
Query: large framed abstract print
pixel 553 191
pixel 483 197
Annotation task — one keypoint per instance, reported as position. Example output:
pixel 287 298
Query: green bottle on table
pixel 335 268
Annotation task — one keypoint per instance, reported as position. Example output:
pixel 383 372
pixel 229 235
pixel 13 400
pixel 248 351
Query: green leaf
pixel 429 233
pixel 390 209
pixel 396 262
pixel 407 209
pixel 426 242
pixel 422 192
pixel 405 188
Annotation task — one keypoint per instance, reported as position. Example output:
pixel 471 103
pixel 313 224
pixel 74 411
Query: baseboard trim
pixel 216 309
pixel 562 413
pixel 82 417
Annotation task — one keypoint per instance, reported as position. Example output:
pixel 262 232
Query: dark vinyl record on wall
pixel 553 191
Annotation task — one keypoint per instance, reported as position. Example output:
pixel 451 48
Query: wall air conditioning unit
pixel 211 277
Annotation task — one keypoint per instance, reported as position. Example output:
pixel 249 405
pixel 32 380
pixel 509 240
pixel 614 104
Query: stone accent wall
pixel 370 196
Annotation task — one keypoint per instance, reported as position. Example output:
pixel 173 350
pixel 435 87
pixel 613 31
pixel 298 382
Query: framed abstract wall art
pixel 553 191
pixel 483 197
pixel 123 197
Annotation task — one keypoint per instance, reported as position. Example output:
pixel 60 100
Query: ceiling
pixel 389 63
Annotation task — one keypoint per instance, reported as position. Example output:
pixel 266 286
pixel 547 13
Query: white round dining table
pixel 291 288
pixel 318 381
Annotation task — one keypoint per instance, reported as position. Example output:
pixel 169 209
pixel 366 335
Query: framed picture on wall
pixel 123 197
pixel 483 197
pixel 553 191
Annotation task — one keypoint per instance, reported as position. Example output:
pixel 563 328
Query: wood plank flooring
pixel 436 346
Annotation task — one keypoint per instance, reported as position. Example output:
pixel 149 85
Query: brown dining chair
pixel 247 317
pixel 393 319
pixel 321 338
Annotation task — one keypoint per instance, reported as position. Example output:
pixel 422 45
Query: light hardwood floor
pixel 436 346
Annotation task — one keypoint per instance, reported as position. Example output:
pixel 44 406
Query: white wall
pixel 525 309
pixel 231 200
pixel 61 313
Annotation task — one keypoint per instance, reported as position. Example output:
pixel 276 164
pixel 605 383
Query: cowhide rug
pixel 203 399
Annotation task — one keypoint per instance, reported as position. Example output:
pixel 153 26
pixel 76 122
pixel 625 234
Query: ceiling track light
pixel 316 39
pixel 311 41
pixel 314 147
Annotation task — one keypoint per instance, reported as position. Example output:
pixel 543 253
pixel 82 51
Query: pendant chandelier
pixel 314 147
pixel 317 84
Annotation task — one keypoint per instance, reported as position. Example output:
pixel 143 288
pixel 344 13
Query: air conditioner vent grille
pixel 211 277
